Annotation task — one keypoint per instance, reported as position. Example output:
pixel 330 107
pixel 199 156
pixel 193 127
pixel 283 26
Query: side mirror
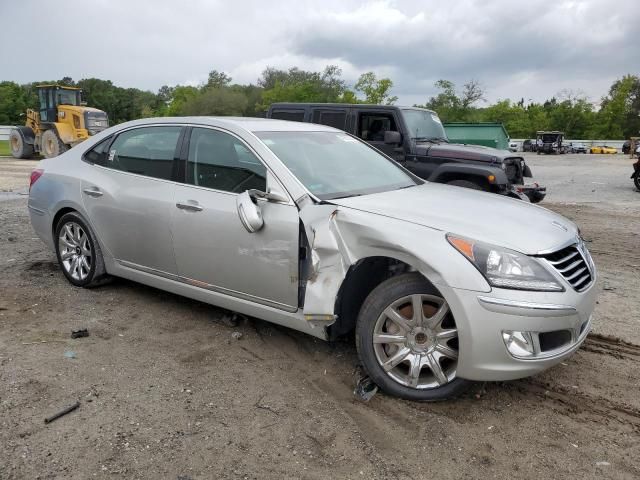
pixel 392 138
pixel 249 212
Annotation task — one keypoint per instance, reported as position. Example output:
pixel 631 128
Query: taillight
pixel 35 175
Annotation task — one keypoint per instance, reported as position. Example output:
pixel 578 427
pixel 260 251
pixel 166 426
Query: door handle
pixel 189 206
pixel 93 192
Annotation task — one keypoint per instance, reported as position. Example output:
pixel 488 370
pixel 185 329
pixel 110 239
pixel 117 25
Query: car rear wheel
pixel 407 340
pixel 79 253
pixel 465 184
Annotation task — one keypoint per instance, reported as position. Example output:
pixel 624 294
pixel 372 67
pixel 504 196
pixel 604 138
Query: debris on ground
pixel 232 319
pixel 236 335
pixel 365 388
pixel 68 409
pixel 603 464
pixel 82 332
pixel 69 354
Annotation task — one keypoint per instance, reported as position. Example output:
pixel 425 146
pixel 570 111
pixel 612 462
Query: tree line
pixel 616 117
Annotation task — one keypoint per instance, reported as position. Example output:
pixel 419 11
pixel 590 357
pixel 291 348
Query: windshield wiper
pixel 430 139
pixel 347 196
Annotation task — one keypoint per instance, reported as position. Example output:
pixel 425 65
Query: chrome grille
pixel 574 264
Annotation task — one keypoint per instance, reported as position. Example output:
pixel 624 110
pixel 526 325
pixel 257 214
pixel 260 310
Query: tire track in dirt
pixel 606 345
pixel 580 405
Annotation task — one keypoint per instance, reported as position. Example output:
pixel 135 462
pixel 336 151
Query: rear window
pixel 147 151
pixel 291 115
pixel 330 118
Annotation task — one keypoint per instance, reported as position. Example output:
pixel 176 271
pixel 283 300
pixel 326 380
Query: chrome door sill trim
pixel 208 286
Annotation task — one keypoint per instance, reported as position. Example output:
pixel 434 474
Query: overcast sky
pixel 529 49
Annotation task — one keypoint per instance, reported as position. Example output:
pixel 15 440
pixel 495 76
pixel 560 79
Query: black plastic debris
pixel 83 332
pixel 365 388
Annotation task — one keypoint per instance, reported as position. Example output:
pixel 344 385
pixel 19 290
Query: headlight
pixel 504 268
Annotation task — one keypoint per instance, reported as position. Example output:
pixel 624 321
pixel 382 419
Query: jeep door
pixel 213 250
pixel 370 127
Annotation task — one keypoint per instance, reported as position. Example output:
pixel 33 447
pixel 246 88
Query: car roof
pixel 251 124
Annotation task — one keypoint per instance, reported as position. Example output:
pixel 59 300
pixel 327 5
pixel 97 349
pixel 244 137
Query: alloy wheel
pixel 416 341
pixel 75 251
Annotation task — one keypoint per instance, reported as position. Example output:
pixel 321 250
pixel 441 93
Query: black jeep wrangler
pixel 415 138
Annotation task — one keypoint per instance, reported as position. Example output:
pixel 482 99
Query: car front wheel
pixel 78 252
pixel 407 340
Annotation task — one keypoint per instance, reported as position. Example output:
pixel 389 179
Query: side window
pixel 371 126
pixel 220 161
pixel 99 153
pixel 146 151
pixel 291 115
pixel 330 118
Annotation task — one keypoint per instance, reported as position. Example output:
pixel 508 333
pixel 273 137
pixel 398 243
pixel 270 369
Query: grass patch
pixel 5 150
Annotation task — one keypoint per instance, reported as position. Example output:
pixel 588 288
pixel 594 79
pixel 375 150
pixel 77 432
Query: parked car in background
pixel 577 147
pixel 311 228
pixel 529 145
pixel 416 138
pixel 549 142
pixel 514 146
pixel 626 147
pixel 603 149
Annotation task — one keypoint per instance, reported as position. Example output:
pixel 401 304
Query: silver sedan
pixel 308 227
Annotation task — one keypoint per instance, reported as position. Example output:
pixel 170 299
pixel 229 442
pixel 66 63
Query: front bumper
pixel 533 191
pixel 558 323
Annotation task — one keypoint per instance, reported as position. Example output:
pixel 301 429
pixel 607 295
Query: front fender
pixel 448 171
pixel 340 237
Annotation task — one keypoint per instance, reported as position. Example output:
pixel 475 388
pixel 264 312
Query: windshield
pixel 550 137
pixel 67 97
pixel 424 125
pixel 335 165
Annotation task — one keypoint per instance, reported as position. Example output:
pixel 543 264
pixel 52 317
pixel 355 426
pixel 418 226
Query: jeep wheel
pixel 407 340
pixel 465 184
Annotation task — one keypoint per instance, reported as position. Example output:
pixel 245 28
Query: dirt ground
pixel 165 391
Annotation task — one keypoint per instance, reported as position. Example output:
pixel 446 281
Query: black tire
pixel 96 274
pixel 51 145
pixel 19 146
pixel 636 181
pixel 466 184
pixel 380 299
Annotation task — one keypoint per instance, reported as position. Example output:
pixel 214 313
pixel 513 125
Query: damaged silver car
pixel 309 227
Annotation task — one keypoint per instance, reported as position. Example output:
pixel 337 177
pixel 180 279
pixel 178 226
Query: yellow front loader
pixel 62 122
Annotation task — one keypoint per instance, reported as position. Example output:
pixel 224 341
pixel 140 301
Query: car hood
pixel 482 216
pixel 477 153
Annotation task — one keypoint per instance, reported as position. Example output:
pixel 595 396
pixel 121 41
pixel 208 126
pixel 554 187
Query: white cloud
pixel 527 49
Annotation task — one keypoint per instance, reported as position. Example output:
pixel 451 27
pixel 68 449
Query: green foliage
pixel 295 85
pixel 218 79
pixel 215 101
pixel 573 114
pixel 618 116
pixel 14 101
pixel 375 90
pixel 5 149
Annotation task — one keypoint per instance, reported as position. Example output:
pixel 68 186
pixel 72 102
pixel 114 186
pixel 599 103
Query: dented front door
pixel 214 251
